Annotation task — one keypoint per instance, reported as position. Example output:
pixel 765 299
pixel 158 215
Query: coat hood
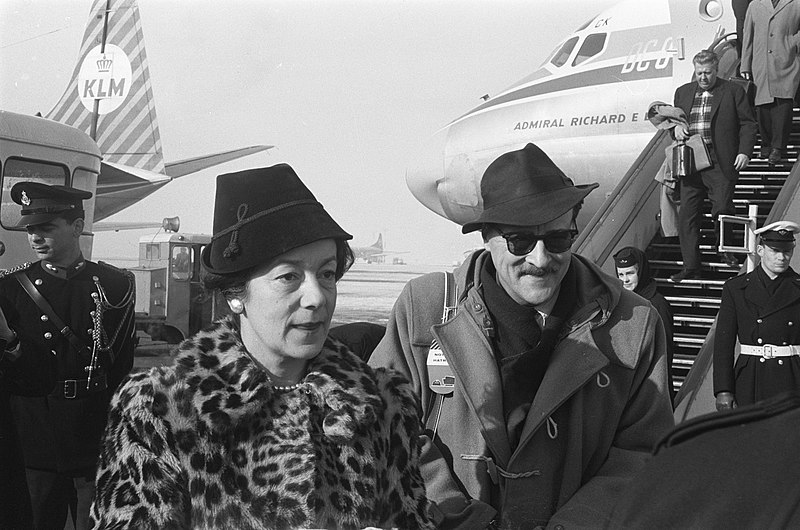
pixel 646 288
pixel 226 387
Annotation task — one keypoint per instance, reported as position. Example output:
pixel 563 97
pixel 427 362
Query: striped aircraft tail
pixel 112 78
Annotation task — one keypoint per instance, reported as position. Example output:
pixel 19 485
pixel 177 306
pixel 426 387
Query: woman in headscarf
pixel 633 269
pixel 263 421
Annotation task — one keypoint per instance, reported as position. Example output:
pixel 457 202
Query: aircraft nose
pixel 427 170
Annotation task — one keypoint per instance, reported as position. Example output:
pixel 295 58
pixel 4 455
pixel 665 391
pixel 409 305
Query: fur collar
pixel 227 387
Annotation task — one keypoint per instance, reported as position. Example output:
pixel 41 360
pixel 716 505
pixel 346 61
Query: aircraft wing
pixel 389 253
pixel 191 165
pixel 120 186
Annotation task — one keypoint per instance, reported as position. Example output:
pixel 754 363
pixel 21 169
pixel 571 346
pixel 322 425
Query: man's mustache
pixel 533 270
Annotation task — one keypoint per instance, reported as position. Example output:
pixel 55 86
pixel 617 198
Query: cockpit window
pixel 591 47
pixel 562 55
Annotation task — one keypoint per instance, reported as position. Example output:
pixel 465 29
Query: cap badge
pixel 25 199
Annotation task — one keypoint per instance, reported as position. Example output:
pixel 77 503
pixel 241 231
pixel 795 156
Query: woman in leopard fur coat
pixel 263 421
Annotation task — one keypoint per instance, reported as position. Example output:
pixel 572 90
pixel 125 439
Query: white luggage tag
pixel 440 377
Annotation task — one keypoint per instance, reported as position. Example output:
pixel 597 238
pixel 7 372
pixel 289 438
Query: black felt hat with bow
pixel 261 213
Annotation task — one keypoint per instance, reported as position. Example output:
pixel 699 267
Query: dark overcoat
pixel 58 434
pixel 733 124
pixel 747 311
pixel 30 375
pixel 738 469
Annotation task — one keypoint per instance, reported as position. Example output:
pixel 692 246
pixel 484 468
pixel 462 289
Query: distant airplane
pixel 110 98
pixel 374 253
pixel 585 106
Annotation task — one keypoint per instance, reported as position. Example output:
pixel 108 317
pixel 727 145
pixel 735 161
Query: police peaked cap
pixel 778 235
pixel 261 213
pixel 525 188
pixel 42 202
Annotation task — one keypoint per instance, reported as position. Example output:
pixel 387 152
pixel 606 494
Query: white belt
pixel 768 351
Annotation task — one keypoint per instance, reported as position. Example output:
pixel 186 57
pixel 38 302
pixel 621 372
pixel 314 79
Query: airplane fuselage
pixel 585 106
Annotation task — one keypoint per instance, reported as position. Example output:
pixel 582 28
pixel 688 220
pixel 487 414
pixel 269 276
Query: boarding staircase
pixel 630 217
pixel 695 302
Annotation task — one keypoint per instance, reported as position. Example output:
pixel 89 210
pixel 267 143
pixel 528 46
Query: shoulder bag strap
pixel 448 310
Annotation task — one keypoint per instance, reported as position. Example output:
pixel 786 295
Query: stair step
pixel 706 321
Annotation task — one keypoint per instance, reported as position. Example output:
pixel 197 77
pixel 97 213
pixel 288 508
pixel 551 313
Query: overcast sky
pixel 347 91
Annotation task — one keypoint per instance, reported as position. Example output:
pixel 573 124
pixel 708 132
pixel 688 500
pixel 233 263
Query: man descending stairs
pixel 695 301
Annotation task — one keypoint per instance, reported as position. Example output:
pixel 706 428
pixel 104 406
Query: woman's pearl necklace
pixel 284 388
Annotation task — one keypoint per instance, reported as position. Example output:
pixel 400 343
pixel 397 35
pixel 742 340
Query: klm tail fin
pixel 379 242
pixel 114 78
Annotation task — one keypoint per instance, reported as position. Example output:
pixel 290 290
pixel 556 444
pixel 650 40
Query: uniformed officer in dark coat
pixel 31 375
pixel 82 314
pixel 762 309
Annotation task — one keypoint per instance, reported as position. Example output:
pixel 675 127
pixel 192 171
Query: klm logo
pixel 105 79
pixel 103 88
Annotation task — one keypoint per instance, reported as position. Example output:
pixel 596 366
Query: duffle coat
pixel 748 312
pixel 600 409
pixel 209 443
pixel 771 48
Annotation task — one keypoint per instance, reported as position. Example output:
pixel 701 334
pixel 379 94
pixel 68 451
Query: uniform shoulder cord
pixel 100 340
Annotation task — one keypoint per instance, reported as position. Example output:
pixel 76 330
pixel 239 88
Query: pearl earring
pixel 236 306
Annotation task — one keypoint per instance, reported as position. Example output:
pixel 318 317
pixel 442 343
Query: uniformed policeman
pixel 31 375
pixel 82 314
pixel 762 309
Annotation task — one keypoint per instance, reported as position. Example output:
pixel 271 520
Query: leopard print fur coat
pixel 208 443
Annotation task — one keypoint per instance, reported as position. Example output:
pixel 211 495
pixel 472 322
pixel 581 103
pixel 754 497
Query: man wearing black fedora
pixel 543 381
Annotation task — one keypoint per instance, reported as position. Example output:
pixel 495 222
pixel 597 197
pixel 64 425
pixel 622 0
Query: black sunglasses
pixel 556 241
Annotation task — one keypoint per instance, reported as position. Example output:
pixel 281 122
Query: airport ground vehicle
pixel 170 301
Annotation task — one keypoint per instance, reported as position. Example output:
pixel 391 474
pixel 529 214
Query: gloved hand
pixel 726 401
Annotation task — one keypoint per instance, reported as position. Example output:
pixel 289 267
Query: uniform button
pixel 44 318
pixel 91 313
pixel 790 323
pixel 48 335
pixel 784 343
pixel 95 278
pixel 38 281
pixel 478 307
pixel 759 321
pixel 762 360
pixel 760 341
pixel 89 331
pixel 780 361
